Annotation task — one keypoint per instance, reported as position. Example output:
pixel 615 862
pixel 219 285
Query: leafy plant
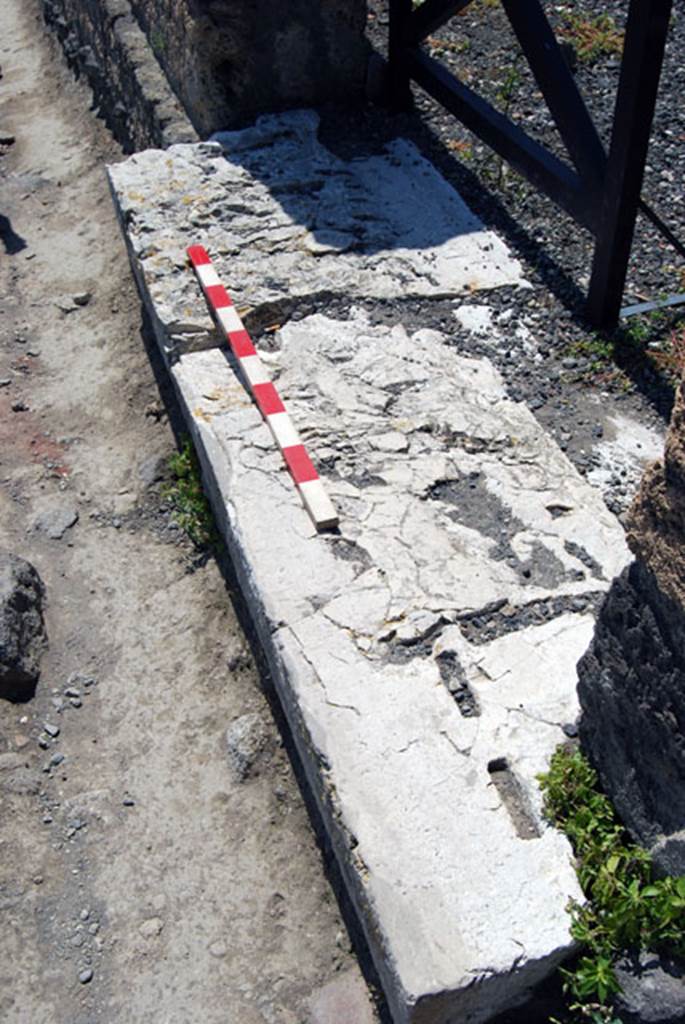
pixel 192 511
pixel 627 908
pixel 592 38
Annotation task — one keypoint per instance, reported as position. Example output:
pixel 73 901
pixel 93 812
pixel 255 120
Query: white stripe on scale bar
pixel 207 274
pixel 283 430
pixel 229 319
pixel 254 370
pixel 318 504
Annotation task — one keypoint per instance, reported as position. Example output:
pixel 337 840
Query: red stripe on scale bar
pixel 299 464
pixel 269 402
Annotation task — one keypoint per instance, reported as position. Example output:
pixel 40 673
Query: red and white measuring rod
pixel 302 470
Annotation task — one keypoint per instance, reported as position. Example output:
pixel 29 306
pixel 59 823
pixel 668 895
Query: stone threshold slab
pixel 284 218
pixel 425 653
pixel 421 743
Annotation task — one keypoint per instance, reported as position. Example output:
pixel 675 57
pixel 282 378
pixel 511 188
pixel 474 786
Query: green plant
pixel 191 509
pixel 627 908
pixel 157 41
pixel 592 37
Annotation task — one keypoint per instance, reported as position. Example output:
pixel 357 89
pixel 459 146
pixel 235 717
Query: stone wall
pixel 104 43
pixel 229 60
pixel 632 679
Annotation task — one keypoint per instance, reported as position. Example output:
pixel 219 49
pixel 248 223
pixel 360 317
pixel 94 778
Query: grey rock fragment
pixel 86 975
pixel 153 469
pixel 248 744
pixel 152 927
pixel 22 629
pixel 22 782
pixel 653 990
pixel 55 520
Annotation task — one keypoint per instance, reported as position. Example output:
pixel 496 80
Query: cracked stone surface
pixel 454 505
pixel 424 653
pixel 282 217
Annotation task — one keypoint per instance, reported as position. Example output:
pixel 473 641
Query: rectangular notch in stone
pixel 514 799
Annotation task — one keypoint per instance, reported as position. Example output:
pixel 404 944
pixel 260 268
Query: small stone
pixel 43 742
pixel 71 691
pixel 570 729
pixel 56 519
pixel 37 879
pixel 47 819
pixel 151 928
pixel 218 949
pixel 86 976
pixel 128 801
pixel 94 928
pixel 82 298
pixel 75 702
pixel 6 138
pixel 85 914
pixel 247 742
pixel 52 730
pixel 5 382
pixel 56 759
pixel 76 940
pixel 19 406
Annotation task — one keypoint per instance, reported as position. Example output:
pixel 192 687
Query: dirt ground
pixel 140 879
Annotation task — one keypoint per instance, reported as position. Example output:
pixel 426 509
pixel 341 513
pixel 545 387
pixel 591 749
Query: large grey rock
pixel 653 990
pixel 633 677
pixel 284 218
pixel 632 691
pixel 22 630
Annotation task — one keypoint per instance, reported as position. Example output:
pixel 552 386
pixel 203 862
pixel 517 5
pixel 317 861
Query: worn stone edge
pixel 129 86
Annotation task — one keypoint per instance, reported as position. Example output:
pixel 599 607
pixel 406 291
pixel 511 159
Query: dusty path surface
pixel 140 879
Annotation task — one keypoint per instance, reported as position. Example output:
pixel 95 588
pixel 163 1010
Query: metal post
pixel 398 40
pixel 643 52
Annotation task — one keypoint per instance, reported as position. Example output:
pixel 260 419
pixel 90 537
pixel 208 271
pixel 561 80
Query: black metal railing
pixel 599 190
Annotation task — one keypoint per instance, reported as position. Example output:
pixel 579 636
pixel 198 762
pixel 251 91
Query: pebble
pixel 6 138
pixel 86 976
pixel 43 742
pixel 55 760
pixel 218 949
pixel 47 819
pixel 5 382
pixel 85 914
pixel 94 928
pixel 51 730
pixel 75 702
pixel 19 406
pixel 152 927
pixel 82 298
pixel 71 691
pixel 128 801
